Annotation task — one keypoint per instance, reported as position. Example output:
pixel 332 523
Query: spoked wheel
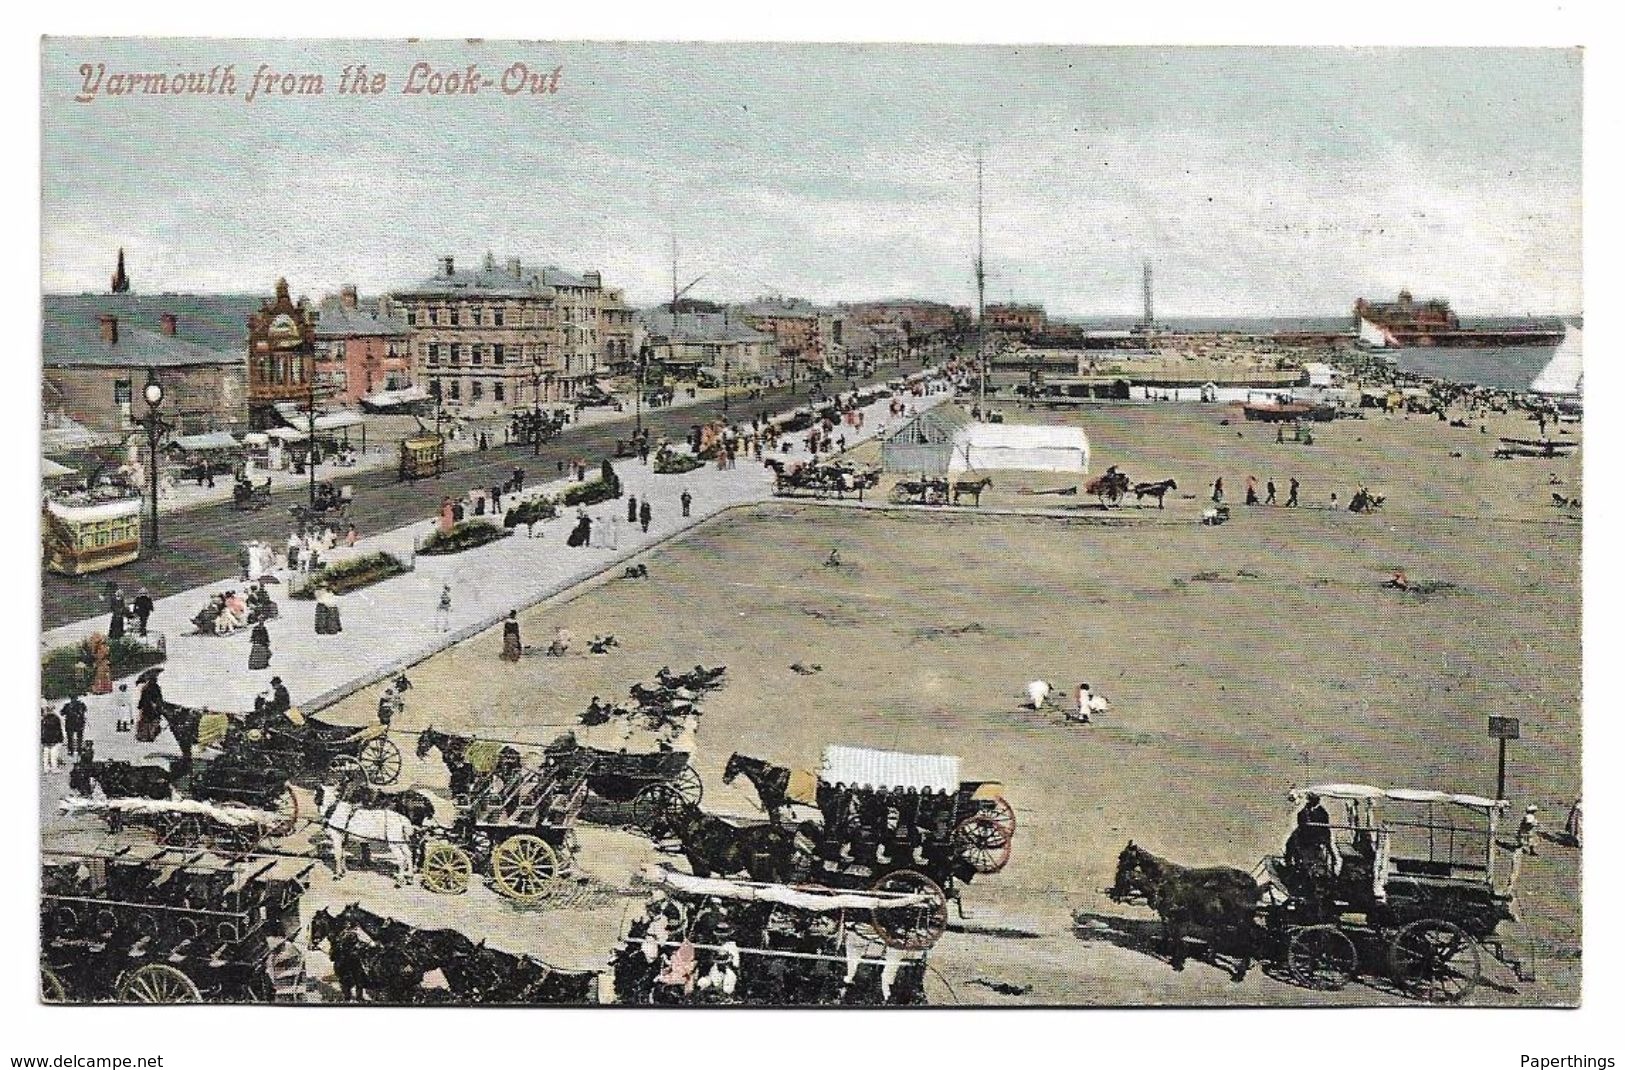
pixel 525 867
pixel 1436 961
pixel 916 926
pixel 157 982
pixel 657 809
pixel 236 841
pixel 447 869
pixel 181 830
pixel 285 804
pixel 51 988
pixel 380 760
pixel 1003 815
pixel 982 843
pixel 688 785
pixel 1321 956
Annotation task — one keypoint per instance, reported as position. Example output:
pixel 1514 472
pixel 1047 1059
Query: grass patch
pixel 533 511
pixel 67 670
pixel 606 487
pixel 668 462
pixel 353 575
pixel 464 536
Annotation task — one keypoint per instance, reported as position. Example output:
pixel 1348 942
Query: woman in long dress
pixel 327 613
pixel 511 647
pixel 447 516
pixel 259 647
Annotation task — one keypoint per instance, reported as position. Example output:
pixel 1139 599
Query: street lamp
pixel 155 428
pixel 637 408
pixel 536 410
pixel 725 370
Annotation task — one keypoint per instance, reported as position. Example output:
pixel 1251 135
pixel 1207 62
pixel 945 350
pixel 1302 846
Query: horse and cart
pixel 828 479
pixel 139 924
pixel 1399 888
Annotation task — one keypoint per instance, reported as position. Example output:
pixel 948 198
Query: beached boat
pixel 1288 411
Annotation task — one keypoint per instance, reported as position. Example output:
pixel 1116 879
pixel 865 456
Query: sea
pixel 1510 368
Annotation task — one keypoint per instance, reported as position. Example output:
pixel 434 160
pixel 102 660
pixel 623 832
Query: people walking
pixel 149 707
pixel 73 722
pixel 143 610
pixel 687 499
pixel 511 646
pixel 1218 490
pixel 259 647
pixel 1252 490
pixel 1527 828
pixel 645 514
pixel 631 508
pixel 1269 492
pixel 117 613
pixel 50 739
pixel 443 610
pixel 1292 493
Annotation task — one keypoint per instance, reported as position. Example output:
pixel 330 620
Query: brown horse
pixel 1108 488
pixel 1219 904
pixel 1155 490
pixel 971 488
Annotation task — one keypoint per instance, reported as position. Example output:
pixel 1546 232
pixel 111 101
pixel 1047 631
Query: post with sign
pixel 1502 729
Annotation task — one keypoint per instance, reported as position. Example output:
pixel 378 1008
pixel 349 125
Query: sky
pixel 1255 181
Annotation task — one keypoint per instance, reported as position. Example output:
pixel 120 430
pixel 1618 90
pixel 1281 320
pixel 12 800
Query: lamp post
pixel 725 371
pixel 637 407
pixel 536 410
pixel 155 428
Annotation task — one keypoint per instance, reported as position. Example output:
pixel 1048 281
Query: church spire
pixel 121 281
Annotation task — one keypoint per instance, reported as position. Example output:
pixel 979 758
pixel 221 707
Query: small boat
pixel 1536 447
pixel 1287 411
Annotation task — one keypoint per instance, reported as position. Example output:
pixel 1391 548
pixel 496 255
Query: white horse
pixel 343 820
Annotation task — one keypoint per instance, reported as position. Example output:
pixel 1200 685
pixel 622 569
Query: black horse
pixel 1157 490
pixel 467 780
pixel 772 782
pixel 1219 904
pixel 120 780
pixel 698 678
pixel 367 967
pixel 715 847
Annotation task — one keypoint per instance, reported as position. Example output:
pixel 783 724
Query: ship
pixel 1407 323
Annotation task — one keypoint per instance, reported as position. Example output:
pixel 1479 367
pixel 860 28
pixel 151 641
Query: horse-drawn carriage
pixel 711 940
pixel 892 823
pixel 822 480
pixel 250 497
pixel 329 506
pixel 141 924
pixel 307 750
pixel 926 490
pixel 1414 899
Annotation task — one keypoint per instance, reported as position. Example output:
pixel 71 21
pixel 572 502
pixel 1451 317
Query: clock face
pixel 284 332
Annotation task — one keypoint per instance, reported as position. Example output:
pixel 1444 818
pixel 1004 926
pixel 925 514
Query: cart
pixel 423 456
pixel 307 750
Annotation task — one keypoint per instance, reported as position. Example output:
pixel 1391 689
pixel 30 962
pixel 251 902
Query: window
pixel 479 390
pixel 496 320
pixel 434 353
pixel 434 316
pixel 456 316
pixel 456 353
pixel 456 390
pixel 497 392
pixel 411 317
pixel 338 350
pixel 476 354
pixel 477 316
pixel 496 353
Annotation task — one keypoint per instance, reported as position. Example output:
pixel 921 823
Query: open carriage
pixel 710 940
pixel 1412 885
pixel 141 924
pixel 307 750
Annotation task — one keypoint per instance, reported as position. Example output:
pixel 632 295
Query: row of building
pixel 487 340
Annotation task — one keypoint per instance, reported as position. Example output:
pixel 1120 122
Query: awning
pixel 325 421
pixel 49 469
pixel 286 434
pixel 1406 795
pixel 861 767
pixel 213 440
pixel 386 399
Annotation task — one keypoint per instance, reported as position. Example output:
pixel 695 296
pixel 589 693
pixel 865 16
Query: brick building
pixel 921 321
pixel 360 350
pixel 281 357
pixel 1022 320
pixel 683 344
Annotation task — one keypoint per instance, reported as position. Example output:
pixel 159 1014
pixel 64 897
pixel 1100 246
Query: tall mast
pixel 1147 286
pixel 981 295
pixel 674 275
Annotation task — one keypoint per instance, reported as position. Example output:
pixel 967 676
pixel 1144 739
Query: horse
pixel 772 782
pixel 1220 902
pixel 120 780
pixel 972 488
pixel 466 774
pixel 698 678
pixel 343 820
pixel 713 846
pixel 1154 490
pixel 1108 488
pixel 364 965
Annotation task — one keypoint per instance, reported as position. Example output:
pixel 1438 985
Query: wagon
pixel 766 944
pixel 231 829
pixel 1413 887
pixel 520 833
pixel 650 783
pixel 306 750
pixel 165 925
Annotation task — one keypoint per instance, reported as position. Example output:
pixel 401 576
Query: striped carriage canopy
pixel 882 770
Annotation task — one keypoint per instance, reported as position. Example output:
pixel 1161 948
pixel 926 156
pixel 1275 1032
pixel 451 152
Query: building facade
pixel 922 322
pixel 510 337
pixel 281 357
pixel 725 347
pixel 1022 320
pixel 361 350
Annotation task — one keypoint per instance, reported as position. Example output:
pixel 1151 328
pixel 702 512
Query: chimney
pixel 109 328
pixel 347 297
pixel 166 323
pixel 386 307
pixel 513 267
pixel 448 264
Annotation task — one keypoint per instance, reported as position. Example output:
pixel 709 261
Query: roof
pixel 791 308
pixel 214 440
pixel 210 329
pixel 883 769
pixel 336 321
pixel 325 421
pixel 1406 795
pixel 495 281
pixel 95 510
pixel 49 469
pixel 711 327
pixel 939 424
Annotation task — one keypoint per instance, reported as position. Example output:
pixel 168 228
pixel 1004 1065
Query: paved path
pixel 395 623
pixel 199 544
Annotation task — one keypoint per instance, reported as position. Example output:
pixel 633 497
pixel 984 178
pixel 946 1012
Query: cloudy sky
pixel 1255 181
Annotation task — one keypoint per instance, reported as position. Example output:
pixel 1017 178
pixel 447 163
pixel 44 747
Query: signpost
pixel 1502 729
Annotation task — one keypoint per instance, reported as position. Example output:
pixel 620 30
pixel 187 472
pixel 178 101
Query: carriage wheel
pixel 525 867
pixel 911 928
pixel 446 869
pixel 236 842
pixel 1436 961
pixel 1003 815
pixel 657 808
pixel 1321 956
pixel 342 768
pixel 157 982
pixel 285 804
pixel 181 830
pixel 380 760
pixel 982 843
pixel 51 988
pixel 689 785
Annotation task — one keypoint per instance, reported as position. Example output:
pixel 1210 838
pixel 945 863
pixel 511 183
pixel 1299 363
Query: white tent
pixel 1564 375
pixel 1021 447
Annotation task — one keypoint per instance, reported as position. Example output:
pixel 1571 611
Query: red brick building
pixel 281 357
pixel 1016 319
pixel 361 350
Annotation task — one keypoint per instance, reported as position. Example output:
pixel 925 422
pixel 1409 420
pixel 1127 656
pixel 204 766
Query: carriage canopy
pixel 820 901
pixel 884 770
pixel 1406 795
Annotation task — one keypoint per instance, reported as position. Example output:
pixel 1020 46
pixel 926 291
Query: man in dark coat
pixel 645 514
pixel 117 613
pixel 73 720
pixel 143 610
pixel 150 707
pixel 687 499
pixel 50 739
pixel 280 702
pixel 631 508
